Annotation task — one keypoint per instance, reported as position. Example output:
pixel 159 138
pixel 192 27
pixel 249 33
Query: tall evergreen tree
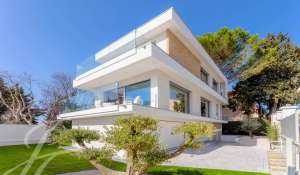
pixel 230 49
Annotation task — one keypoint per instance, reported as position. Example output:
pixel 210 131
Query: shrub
pixel 272 133
pixel 80 136
pixel 250 125
pixel 138 136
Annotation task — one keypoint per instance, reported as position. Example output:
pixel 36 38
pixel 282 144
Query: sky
pixel 48 36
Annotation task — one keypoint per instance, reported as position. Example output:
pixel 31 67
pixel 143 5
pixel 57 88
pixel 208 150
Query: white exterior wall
pixel 166 136
pixel 160 92
pixel 13 134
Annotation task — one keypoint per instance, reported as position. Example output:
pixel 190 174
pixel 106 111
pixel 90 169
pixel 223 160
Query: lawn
pixel 60 161
pixel 13 162
pixel 175 170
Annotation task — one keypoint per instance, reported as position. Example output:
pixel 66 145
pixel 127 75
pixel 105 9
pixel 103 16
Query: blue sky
pixel 43 37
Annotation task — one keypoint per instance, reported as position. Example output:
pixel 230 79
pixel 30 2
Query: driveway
pixel 241 153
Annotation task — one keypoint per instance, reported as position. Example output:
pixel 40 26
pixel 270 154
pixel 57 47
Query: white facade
pixel 18 134
pixel 167 85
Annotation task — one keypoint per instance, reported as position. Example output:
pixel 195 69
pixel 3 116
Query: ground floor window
pixel 204 107
pixel 179 99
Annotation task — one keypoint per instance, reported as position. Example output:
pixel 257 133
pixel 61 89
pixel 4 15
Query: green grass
pixel 63 161
pixel 175 170
pixel 114 165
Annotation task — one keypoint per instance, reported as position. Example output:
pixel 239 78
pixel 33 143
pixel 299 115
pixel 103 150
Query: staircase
pixel 277 163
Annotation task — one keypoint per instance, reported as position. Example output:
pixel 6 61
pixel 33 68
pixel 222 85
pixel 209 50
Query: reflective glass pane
pixel 138 93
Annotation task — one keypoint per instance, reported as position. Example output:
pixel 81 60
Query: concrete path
pixel 231 156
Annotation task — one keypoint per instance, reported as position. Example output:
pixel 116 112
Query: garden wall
pixel 14 134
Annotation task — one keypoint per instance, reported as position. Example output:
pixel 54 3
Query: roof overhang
pixel 167 20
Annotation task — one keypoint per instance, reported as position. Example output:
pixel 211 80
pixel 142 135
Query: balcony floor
pixel 125 110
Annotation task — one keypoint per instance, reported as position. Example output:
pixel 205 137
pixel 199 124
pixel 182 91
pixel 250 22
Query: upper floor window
pixel 179 99
pixel 222 89
pixel 204 107
pixel 215 85
pixel 204 75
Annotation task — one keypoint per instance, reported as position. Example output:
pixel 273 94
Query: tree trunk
pixel 251 134
pixel 273 107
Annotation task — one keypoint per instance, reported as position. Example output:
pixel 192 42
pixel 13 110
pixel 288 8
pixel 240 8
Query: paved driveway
pixel 244 156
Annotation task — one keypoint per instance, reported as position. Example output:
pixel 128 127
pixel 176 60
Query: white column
pixel 289 157
pixel 160 91
pixel 195 103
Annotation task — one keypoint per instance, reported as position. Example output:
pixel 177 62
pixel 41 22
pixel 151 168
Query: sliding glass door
pixel 179 99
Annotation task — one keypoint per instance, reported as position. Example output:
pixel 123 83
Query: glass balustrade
pixel 137 93
pixel 105 55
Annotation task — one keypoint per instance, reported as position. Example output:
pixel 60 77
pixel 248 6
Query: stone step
pixel 276 156
pixel 278 173
pixel 277 164
pixel 282 169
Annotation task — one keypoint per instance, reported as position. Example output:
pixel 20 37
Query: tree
pixel 250 125
pixel 16 101
pixel 273 77
pixel 277 69
pixel 55 94
pixel 230 49
pixel 3 90
pixel 138 137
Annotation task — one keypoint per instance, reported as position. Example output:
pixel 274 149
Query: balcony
pixel 109 96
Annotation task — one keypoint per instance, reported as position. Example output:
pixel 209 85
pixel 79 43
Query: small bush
pixel 80 136
pixel 272 132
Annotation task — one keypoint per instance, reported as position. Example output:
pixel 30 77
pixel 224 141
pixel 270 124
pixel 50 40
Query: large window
pixel 215 85
pixel 204 107
pixel 179 99
pixel 204 75
pixel 138 93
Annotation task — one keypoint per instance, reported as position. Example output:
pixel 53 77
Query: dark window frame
pixel 204 76
pixel 204 100
pixel 215 83
pixel 180 88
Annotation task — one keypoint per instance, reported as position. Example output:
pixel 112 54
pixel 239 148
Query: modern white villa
pixel 158 70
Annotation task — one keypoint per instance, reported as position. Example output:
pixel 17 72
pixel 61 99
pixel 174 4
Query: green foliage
pixel 97 154
pixel 80 136
pixel 229 49
pixel 222 45
pixel 113 165
pixel 272 132
pixel 272 78
pixel 138 136
pixel 193 131
pixel 250 125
